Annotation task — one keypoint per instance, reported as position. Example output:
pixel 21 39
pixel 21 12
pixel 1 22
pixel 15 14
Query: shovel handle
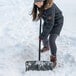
pixel 40 39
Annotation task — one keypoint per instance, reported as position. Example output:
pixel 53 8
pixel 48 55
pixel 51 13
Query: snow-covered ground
pixel 19 39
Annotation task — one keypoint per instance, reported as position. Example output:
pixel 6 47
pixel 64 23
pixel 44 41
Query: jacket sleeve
pixel 48 24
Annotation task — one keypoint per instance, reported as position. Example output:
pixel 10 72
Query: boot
pixel 44 49
pixel 53 59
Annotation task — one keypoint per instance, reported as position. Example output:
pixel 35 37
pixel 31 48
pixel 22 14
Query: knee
pixel 52 38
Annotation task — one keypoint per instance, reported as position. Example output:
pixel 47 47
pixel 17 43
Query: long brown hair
pixel 46 5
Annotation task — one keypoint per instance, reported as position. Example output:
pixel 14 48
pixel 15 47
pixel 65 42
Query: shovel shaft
pixel 40 39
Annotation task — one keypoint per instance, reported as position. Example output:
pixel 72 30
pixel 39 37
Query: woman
pixel 53 22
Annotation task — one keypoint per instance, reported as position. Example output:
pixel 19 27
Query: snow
pixel 19 39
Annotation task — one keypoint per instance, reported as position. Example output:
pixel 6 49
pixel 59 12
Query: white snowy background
pixel 19 39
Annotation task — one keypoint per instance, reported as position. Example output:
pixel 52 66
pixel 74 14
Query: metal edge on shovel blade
pixel 38 65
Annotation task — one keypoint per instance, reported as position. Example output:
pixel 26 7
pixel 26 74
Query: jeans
pixel 51 43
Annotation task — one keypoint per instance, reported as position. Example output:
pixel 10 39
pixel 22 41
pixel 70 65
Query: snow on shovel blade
pixel 38 65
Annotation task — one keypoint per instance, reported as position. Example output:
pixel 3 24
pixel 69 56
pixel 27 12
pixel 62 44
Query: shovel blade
pixel 38 65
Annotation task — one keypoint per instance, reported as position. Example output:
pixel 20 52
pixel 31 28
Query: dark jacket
pixel 53 21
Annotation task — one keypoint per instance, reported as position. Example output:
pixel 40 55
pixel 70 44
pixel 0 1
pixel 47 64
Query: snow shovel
pixel 38 65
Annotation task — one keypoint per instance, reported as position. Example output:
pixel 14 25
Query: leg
pixel 45 43
pixel 52 44
pixel 53 48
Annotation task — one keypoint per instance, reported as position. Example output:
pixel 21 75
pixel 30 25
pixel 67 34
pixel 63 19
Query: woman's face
pixel 39 4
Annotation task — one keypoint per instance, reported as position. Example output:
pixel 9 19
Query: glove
pixel 42 36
